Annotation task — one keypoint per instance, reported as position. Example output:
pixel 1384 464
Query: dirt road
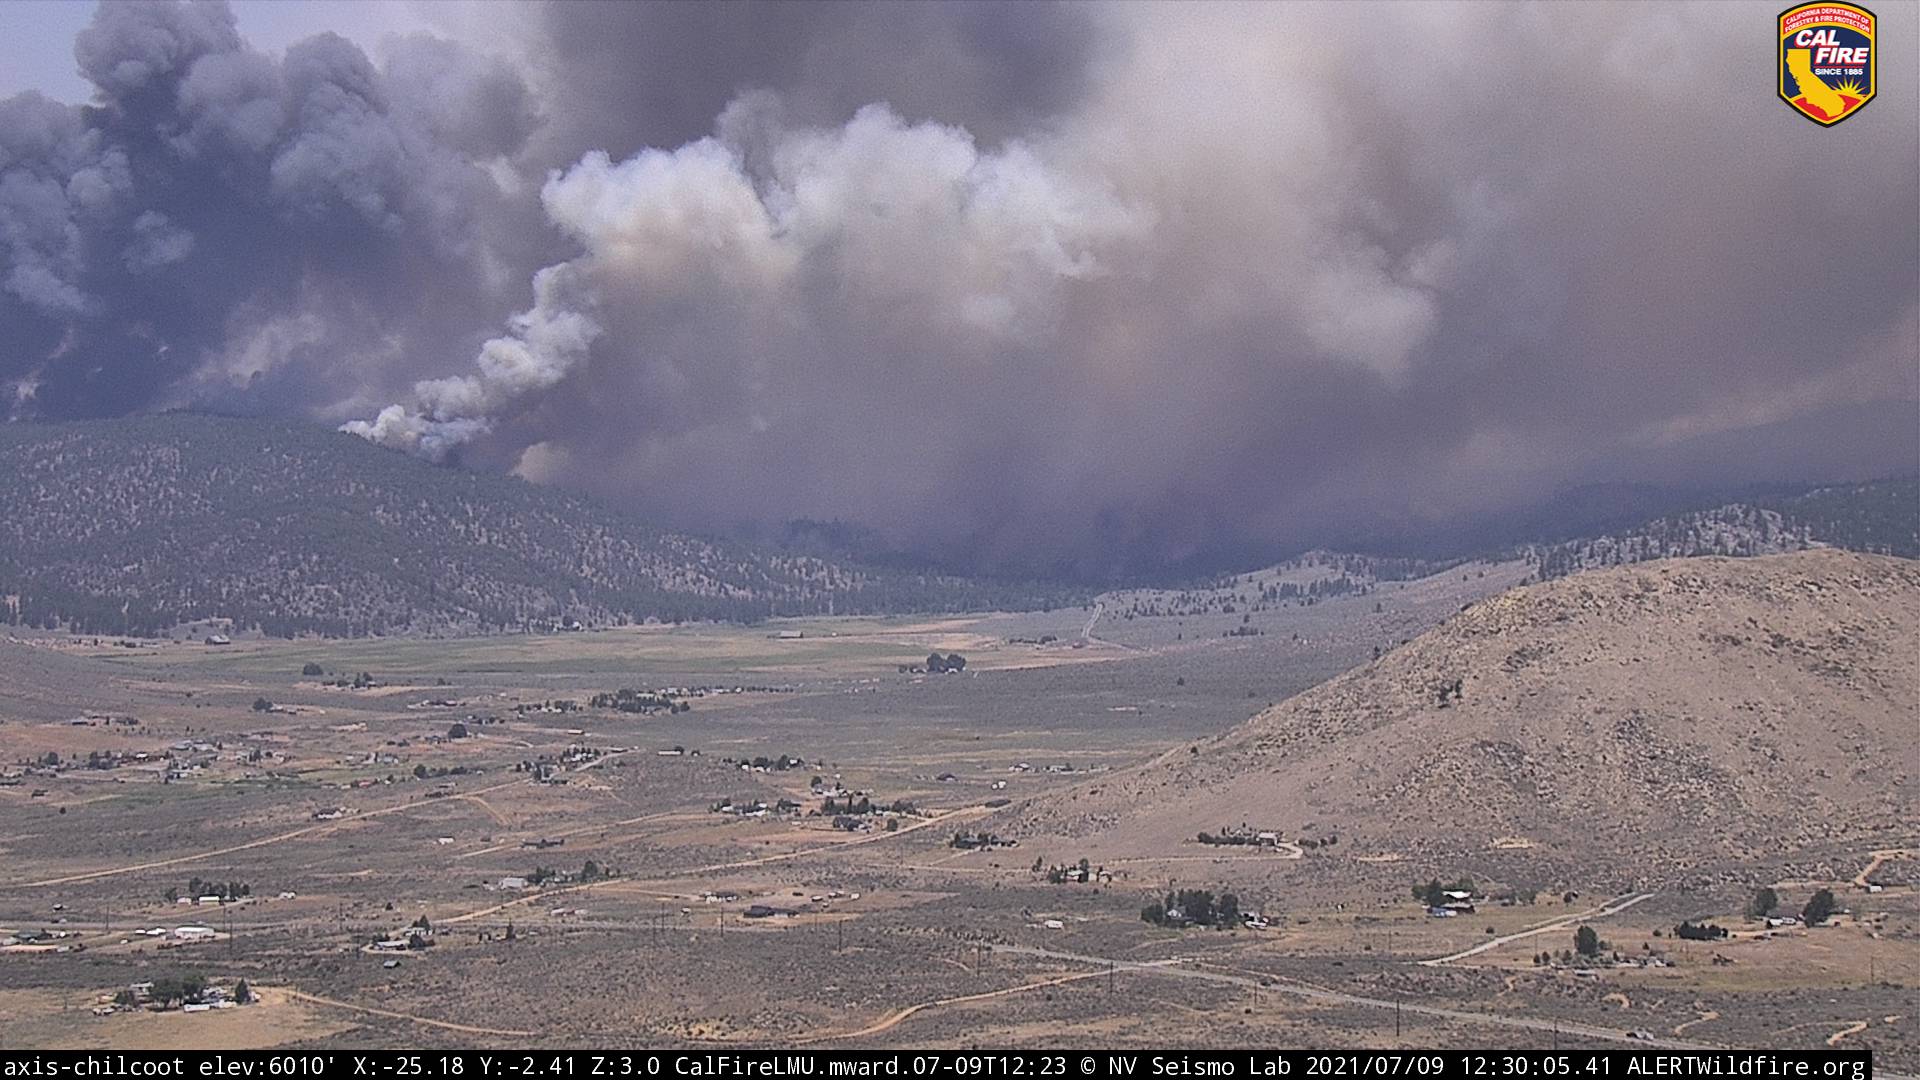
pixel 1879 857
pixel 181 860
pixel 894 1020
pixel 447 1025
pixel 548 894
pixel 576 831
pixel 1177 969
pixel 1611 907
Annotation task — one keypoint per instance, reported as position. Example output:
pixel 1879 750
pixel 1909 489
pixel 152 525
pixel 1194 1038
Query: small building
pixel 195 933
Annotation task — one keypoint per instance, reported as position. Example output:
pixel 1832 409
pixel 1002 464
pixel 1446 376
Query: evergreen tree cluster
pixel 144 526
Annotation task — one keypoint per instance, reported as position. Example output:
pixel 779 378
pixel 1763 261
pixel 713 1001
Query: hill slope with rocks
pixel 1668 714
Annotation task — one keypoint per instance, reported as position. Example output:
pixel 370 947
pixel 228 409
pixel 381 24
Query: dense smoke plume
pixel 1035 287
pixel 221 227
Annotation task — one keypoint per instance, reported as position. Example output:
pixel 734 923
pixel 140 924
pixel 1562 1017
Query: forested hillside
pixel 137 526
pixel 1882 517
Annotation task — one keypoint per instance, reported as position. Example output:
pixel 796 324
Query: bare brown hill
pixel 1687 712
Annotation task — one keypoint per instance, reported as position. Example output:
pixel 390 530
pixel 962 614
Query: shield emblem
pixel 1828 60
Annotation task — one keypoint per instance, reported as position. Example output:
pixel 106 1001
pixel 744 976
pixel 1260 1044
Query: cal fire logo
pixel 1827 60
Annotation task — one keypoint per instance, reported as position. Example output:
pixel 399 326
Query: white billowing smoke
pixel 1264 266
pixel 547 342
pixel 1022 282
pixel 914 215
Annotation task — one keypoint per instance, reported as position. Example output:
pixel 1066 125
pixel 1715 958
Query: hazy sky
pixel 1037 285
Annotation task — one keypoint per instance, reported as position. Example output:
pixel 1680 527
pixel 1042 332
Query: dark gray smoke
pixel 1024 285
pixel 624 77
pixel 219 226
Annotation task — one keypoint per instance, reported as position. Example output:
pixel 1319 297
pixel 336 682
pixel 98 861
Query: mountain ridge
pixel 145 525
pixel 137 526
